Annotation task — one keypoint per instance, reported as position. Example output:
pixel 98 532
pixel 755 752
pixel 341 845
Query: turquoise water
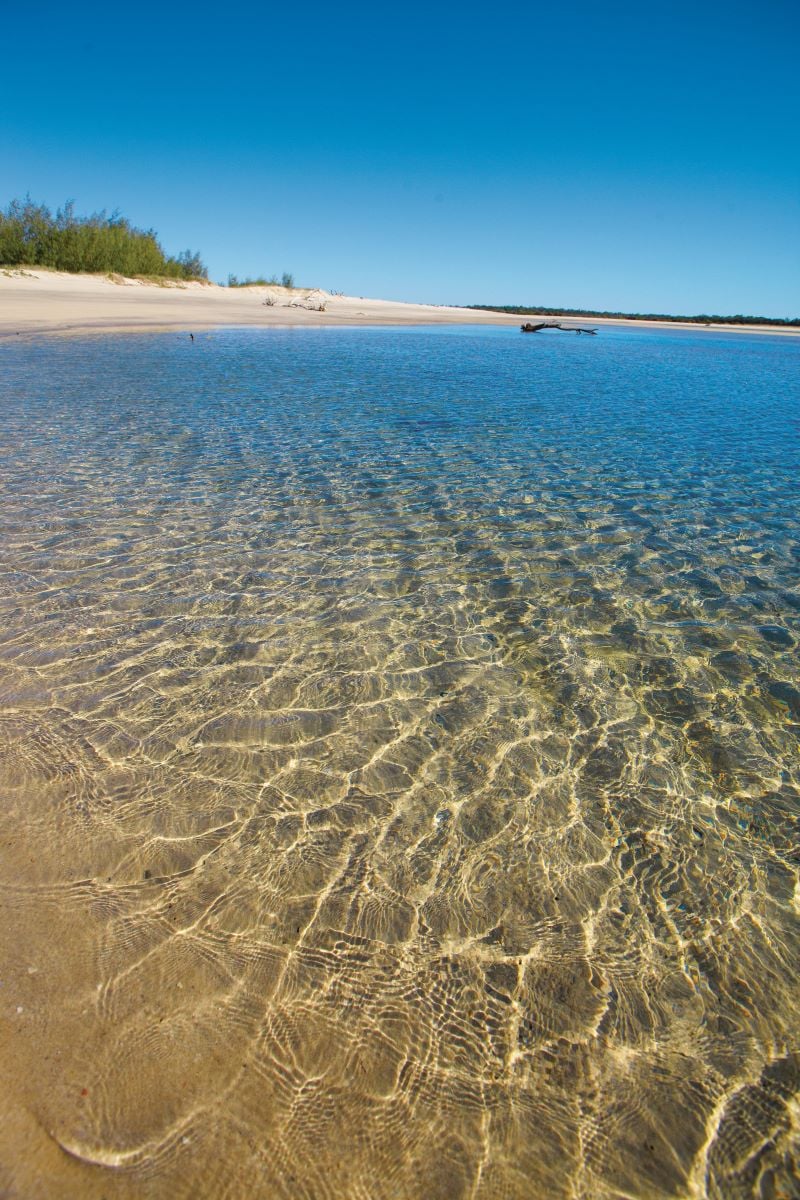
pixel 401 758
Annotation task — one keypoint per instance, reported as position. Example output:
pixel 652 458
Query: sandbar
pixel 38 301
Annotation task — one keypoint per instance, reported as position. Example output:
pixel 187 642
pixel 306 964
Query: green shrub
pixel 31 235
pixel 259 281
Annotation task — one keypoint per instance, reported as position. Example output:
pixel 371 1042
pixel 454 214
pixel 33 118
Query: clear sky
pixel 607 154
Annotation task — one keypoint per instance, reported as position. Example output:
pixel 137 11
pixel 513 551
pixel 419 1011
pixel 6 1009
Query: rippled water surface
pixel 399 766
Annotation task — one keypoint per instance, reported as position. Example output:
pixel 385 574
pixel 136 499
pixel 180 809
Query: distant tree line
pixel 702 319
pixel 31 235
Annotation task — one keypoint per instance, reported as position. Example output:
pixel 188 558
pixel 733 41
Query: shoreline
pixel 43 302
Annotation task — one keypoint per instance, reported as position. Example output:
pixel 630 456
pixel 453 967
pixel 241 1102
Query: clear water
pixel 400 765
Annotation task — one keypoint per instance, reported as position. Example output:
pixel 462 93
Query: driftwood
pixel 528 328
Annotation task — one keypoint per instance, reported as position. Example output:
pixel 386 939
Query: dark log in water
pixel 528 328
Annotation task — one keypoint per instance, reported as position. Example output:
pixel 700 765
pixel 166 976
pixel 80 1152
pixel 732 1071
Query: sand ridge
pixel 36 301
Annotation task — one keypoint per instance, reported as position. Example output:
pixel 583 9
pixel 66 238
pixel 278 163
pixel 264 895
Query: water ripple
pixel 399 750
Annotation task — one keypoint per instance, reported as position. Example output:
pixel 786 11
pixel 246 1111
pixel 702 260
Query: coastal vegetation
pixel 700 319
pixel 286 281
pixel 33 236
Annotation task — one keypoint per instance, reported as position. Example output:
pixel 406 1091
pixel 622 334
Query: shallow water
pixel 400 765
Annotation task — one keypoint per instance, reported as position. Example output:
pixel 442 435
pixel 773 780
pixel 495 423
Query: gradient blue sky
pixel 606 154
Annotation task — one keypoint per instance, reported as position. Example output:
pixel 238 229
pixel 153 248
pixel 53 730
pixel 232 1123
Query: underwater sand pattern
pixel 399 767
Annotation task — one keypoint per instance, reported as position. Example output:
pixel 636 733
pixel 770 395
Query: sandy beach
pixel 36 301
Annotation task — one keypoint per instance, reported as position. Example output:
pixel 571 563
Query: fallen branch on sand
pixel 528 328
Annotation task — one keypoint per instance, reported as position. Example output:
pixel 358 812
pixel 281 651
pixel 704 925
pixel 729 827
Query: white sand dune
pixel 34 301
pixel 37 301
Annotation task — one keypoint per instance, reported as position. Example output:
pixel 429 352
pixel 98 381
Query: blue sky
pixel 605 155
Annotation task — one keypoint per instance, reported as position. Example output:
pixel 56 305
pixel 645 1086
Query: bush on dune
pixel 286 281
pixel 31 235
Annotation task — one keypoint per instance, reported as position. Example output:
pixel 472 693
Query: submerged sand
pixel 35 301
pixel 399 772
